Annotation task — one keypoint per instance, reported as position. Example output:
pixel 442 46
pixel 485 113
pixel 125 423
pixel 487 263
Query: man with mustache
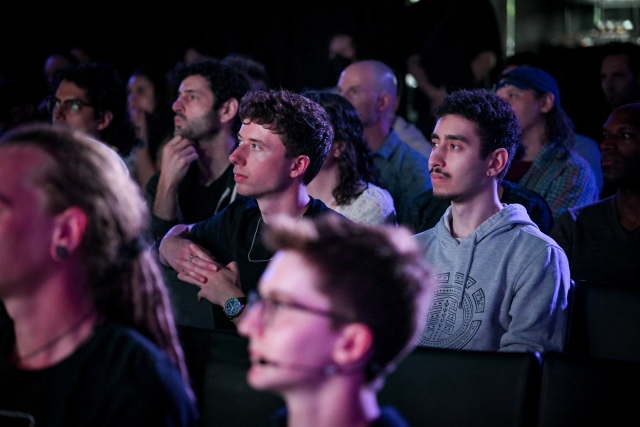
pixel 602 240
pixel 500 283
pixel 196 177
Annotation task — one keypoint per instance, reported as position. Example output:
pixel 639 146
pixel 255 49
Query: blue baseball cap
pixel 531 78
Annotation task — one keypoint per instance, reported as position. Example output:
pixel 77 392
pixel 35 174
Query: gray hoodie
pixel 517 281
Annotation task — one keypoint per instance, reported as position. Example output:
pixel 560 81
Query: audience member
pixel 500 283
pixel 283 141
pixel 56 61
pixel 586 147
pixel 343 51
pixel 195 180
pixel 315 334
pixel 602 240
pixel 620 73
pixel 348 181
pixel 548 166
pixel 93 98
pixel 255 72
pixel 150 112
pixel 87 337
pixel 371 86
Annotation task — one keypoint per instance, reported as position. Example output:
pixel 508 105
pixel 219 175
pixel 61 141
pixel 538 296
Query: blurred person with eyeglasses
pixel 92 98
pixel 315 327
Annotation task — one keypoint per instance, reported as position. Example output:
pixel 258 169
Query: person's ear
pixel 547 102
pixel 497 162
pixel 300 165
pixel 337 148
pixel 354 345
pixel 228 110
pixel 69 229
pixel 385 102
pixel 104 119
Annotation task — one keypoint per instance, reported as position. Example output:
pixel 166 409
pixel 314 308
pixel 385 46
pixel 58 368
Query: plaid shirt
pixel 563 178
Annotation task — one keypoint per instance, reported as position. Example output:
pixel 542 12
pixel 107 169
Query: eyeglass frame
pixel 254 300
pixel 71 104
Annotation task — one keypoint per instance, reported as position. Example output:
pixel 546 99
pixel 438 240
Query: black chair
pixel 582 391
pixel 218 361
pixel 605 320
pixel 443 388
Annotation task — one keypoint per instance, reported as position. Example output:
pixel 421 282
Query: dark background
pixel 291 40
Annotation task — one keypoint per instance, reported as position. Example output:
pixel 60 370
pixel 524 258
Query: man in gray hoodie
pixel 516 278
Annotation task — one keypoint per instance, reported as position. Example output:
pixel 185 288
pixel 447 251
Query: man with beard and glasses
pixel 196 177
pixel 499 282
pixel 602 240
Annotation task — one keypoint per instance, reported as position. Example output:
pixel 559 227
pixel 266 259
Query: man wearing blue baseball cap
pixel 548 165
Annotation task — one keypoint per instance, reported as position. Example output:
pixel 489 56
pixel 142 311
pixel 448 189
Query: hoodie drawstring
pixel 472 250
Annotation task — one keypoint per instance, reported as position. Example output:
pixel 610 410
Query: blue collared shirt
pixel 405 173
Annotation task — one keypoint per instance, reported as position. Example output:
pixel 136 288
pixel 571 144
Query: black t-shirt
pixel 234 235
pixel 196 202
pixel 116 378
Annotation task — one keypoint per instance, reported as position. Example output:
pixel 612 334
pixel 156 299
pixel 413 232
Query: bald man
pixel 602 240
pixel 371 86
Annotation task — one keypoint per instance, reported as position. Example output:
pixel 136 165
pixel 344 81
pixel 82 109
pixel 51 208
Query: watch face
pixel 232 307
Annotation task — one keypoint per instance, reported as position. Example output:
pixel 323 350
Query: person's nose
pixel 178 106
pixel 436 158
pixel 57 115
pixel 237 156
pixel 250 323
pixel 608 143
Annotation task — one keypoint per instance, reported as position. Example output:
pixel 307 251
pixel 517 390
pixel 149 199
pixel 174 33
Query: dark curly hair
pixel 356 161
pixel 303 125
pixel 106 91
pixel 225 82
pixel 498 125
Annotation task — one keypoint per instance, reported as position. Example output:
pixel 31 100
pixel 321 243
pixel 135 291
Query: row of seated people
pixel 369 175
pixel 499 283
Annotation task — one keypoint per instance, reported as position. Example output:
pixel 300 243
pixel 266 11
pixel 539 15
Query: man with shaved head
pixel 602 240
pixel 371 86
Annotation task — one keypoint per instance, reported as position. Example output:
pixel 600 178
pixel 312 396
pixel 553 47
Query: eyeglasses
pixel 269 307
pixel 68 105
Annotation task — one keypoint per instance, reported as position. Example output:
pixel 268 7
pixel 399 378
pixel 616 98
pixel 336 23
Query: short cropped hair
pixel 303 125
pixel 106 91
pixel 498 125
pixel 225 82
pixel 376 275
